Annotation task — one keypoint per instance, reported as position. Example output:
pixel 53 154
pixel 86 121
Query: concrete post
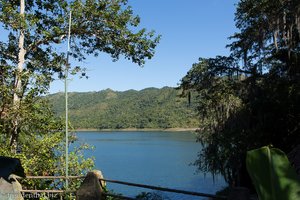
pixel 91 188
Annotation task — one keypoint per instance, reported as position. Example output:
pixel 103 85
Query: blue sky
pixel 190 29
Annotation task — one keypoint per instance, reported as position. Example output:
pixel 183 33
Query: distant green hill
pixel 108 109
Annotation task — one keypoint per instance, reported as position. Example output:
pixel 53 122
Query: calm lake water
pixel 153 158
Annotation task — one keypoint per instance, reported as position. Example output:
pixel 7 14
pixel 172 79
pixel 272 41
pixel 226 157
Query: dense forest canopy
pixel 252 97
pixel 108 109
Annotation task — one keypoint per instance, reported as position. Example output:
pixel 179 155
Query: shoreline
pixel 136 129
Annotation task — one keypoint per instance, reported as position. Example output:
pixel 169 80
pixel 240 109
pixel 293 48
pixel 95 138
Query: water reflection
pixel 154 158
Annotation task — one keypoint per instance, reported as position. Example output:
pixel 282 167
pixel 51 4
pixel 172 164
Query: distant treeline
pixel 108 109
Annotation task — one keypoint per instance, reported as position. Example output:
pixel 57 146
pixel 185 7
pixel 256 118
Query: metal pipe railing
pixel 165 189
pixel 124 183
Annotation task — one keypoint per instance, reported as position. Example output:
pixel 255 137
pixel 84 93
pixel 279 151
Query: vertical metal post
pixel 66 102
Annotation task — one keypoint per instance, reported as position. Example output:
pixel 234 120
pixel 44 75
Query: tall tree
pixel 35 32
pixel 216 84
pixel 18 79
pixel 268 30
pixel 251 98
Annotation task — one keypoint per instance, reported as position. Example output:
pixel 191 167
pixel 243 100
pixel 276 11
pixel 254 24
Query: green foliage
pixel 217 100
pixel 41 149
pixel 25 119
pixel 148 108
pixel 97 27
pixel 269 32
pixel 105 26
pixel 272 174
pixel 251 98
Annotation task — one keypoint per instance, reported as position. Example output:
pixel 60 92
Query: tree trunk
pixel 18 83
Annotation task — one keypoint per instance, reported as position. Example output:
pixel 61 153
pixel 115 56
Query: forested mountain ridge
pixel 108 109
